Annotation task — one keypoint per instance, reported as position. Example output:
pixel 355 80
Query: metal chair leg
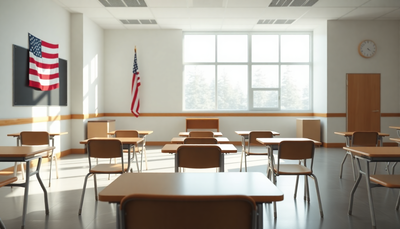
pixel 319 197
pixel 83 193
pixel 341 166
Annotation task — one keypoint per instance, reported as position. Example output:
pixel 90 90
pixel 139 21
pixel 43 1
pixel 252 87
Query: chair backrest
pixel 35 138
pixel 364 138
pixel 127 133
pixel 182 212
pixel 200 140
pixel 198 156
pixel 201 134
pixel 258 134
pixel 296 150
pixel 104 148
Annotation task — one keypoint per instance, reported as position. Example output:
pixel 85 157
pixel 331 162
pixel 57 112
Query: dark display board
pixel 23 95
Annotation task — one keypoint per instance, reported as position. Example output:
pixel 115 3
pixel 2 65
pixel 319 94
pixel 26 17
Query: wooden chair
pixel 389 181
pixel 198 156
pixel 182 212
pixel 133 134
pixel 200 140
pixel 297 150
pixel 360 138
pixel 5 180
pixel 103 148
pixel 201 134
pixel 253 147
pixel 30 138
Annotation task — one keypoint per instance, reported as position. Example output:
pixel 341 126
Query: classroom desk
pixel 255 185
pixel 367 155
pixel 26 154
pixel 397 129
pixel 125 141
pixel 225 148
pixel 349 135
pixel 186 134
pixel 52 135
pixel 179 140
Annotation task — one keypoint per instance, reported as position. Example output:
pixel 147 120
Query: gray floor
pixel 64 196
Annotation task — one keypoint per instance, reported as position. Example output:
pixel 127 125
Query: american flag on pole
pixel 43 64
pixel 135 105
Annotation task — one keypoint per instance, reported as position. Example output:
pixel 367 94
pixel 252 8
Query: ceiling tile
pixel 81 3
pixel 248 3
pixel 243 12
pixel 386 3
pixel 170 12
pixel 243 21
pixel 340 3
pixel 141 26
pixel 206 21
pixel 93 12
pixel 128 13
pixel 328 13
pixel 392 15
pixel 237 27
pixel 169 21
pixel 206 12
pixel 276 12
pixel 367 13
pixel 167 3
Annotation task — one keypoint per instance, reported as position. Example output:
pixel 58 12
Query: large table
pixel 367 155
pixel 125 141
pixel 51 135
pixel 180 140
pixel 255 185
pixel 26 154
pixel 225 148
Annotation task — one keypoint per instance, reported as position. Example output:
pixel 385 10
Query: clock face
pixel 367 48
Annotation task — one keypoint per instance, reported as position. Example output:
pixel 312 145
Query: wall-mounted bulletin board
pixel 23 95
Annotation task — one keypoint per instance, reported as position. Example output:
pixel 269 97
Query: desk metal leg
pixel 260 215
pixel 222 163
pixel 242 155
pixel 354 189
pixel 118 216
pixel 176 163
pixel 371 204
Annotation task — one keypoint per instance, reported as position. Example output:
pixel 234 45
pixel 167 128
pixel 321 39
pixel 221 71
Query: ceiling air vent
pixel 275 21
pixel 292 3
pixel 123 3
pixel 139 22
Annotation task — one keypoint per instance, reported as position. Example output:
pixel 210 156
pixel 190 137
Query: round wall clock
pixel 367 48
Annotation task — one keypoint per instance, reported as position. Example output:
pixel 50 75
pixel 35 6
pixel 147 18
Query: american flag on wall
pixel 43 64
pixel 135 105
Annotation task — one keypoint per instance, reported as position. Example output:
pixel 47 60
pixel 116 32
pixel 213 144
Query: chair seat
pixel 390 181
pixel 108 168
pixel 5 180
pixel 293 169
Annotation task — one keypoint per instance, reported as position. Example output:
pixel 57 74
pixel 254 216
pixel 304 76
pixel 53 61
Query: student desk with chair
pixel 255 185
pixel 26 154
pixel 180 140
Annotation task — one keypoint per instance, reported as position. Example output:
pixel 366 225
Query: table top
pixel 247 132
pixel 51 134
pixel 186 134
pixel 141 132
pixel 394 127
pixel 277 141
pixel 350 133
pixel 395 139
pixel 375 152
pixel 179 140
pixel 22 151
pixel 225 148
pixel 255 185
pixel 132 141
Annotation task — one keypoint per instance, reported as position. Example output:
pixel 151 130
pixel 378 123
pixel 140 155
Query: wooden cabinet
pixel 99 128
pixel 308 128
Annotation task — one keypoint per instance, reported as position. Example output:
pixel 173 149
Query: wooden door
pixel 364 102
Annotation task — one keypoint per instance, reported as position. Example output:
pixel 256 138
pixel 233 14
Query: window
pixel 240 72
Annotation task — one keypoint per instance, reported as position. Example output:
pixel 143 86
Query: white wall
pixel 17 19
pixel 343 40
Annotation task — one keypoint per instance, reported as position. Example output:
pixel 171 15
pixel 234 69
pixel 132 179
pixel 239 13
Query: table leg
pixel 46 202
pixel 26 193
pixel 260 215
pixel 242 155
pixel 176 162
pixel 371 204
pixel 222 163
pixel 118 218
pixel 354 188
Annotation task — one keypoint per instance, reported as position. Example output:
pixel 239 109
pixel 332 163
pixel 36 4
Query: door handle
pixel 375 111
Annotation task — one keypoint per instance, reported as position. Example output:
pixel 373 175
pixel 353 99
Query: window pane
pixel 265 76
pixel 199 48
pixel 295 48
pixel 232 87
pixel 199 87
pixel 232 48
pixel 265 99
pixel 295 87
pixel 265 48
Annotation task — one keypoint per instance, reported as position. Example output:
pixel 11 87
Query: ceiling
pixel 230 15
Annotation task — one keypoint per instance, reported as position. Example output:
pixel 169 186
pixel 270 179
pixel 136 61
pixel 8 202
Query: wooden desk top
pixel 141 132
pixel 179 140
pixel 247 132
pixel 225 148
pixel 186 134
pixel 375 152
pixel 255 185
pixel 132 141
pixel 394 127
pixel 346 134
pixel 51 134
pixel 23 151
pixel 277 141
pixel 395 139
